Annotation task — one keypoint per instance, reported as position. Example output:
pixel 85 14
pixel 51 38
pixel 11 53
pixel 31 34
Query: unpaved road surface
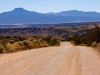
pixel 64 60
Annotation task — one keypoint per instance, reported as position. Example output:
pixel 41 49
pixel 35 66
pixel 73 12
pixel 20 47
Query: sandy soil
pixel 64 60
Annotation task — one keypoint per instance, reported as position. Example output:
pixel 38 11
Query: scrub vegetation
pixel 14 44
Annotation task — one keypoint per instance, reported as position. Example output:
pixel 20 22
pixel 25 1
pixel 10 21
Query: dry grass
pixel 13 47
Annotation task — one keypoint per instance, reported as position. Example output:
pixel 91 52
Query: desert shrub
pixel 30 44
pixel 26 43
pixel 4 42
pixel 77 39
pixel 82 45
pixel 21 38
pixel 14 47
pixel 17 44
pixel 31 39
pixel 98 45
pixel 1 49
pixel 48 39
pixel 51 41
pixel 69 39
pixel 94 44
pixel 36 44
pixel 54 42
pixel 11 41
pixel 20 43
pixel 43 44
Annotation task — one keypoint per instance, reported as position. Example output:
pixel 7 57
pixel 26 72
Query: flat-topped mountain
pixel 22 16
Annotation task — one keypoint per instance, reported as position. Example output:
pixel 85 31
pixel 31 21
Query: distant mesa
pixel 19 9
pixel 23 16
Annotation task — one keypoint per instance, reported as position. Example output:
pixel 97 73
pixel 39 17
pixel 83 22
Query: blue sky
pixel 44 6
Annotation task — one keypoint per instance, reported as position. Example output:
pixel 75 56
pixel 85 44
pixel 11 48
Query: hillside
pixel 64 31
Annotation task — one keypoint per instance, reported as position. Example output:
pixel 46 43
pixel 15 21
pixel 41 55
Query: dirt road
pixel 64 60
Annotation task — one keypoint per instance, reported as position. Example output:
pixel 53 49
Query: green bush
pixel 94 44
pixel 54 42
pixel 51 41
pixel 48 40
pixel 77 39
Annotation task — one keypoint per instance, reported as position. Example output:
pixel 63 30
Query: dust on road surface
pixel 63 60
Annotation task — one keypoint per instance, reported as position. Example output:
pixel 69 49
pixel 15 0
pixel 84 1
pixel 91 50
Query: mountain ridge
pixel 77 13
pixel 23 16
